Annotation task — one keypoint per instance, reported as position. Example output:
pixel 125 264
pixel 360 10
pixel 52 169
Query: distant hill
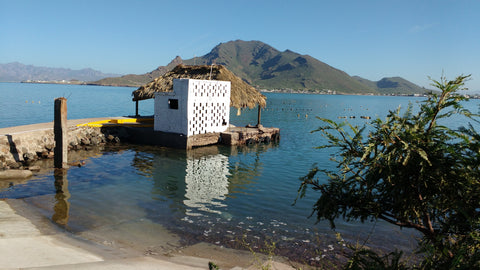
pixel 139 80
pixel 17 72
pixel 393 85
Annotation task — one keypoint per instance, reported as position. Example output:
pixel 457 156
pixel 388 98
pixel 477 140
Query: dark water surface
pixel 222 195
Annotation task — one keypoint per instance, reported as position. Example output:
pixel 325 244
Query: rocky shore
pixel 18 150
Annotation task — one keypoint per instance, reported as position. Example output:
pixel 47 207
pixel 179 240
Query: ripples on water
pixel 223 195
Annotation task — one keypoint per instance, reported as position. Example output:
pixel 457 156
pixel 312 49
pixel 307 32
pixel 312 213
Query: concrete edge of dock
pixel 22 144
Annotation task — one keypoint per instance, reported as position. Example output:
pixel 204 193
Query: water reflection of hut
pixel 199 181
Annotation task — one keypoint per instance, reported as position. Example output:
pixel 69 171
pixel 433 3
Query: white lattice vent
pixel 206 89
pixel 207 116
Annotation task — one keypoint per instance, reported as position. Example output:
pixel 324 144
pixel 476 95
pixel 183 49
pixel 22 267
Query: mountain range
pixel 265 67
pixel 257 63
pixel 17 72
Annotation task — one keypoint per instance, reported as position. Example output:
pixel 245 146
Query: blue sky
pixel 371 39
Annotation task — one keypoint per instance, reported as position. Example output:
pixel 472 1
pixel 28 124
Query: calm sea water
pixel 221 195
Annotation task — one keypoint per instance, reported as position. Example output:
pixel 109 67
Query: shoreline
pixel 48 245
pixel 283 91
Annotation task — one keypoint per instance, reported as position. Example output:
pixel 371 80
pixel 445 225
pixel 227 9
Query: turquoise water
pixel 219 195
pixel 23 103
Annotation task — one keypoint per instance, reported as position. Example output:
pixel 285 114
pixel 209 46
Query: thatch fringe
pixel 242 94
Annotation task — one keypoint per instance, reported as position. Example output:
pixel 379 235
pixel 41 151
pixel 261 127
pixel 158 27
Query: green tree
pixel 411 171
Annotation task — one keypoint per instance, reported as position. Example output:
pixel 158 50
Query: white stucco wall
pixel 203 107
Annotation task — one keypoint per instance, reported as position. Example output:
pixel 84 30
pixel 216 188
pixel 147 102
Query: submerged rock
pixel 15 174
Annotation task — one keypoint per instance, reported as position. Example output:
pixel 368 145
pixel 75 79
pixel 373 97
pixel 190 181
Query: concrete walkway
pixel 49 125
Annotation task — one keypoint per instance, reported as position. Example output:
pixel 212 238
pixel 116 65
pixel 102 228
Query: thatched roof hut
pixel 242 94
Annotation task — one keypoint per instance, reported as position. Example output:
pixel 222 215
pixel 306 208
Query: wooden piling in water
pixel 60 133
pixel 259 116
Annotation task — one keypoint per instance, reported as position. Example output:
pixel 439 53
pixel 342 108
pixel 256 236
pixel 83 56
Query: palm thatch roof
pixel 242 94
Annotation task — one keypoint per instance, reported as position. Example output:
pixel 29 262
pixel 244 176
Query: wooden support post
pixel 60 133
pixel 136 108
pixel 259 115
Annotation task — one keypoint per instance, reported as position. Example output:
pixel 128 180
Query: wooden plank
pixel 60 129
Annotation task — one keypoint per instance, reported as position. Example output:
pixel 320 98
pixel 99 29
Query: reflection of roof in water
pixel 242 94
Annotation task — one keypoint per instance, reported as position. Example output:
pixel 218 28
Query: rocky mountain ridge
pixel 267 68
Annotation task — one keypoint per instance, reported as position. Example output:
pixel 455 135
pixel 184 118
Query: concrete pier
pixel 250 135
pixel 21 144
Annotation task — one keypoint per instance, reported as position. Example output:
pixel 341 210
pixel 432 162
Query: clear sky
pixel 413 39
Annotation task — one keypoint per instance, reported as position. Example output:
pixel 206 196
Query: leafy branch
pixel 408 171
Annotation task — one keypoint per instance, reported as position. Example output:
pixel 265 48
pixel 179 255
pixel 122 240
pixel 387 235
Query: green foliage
pixel 212 266
pixel 367 259
pixel 259 260
pixel 410 171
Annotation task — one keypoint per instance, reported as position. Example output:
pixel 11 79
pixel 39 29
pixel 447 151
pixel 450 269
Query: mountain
pixel 17 72
pixel 397 85
pixel 139 80
pixel 267 68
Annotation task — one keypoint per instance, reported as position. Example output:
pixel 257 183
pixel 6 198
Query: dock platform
pixel 29 142
pixel 143 133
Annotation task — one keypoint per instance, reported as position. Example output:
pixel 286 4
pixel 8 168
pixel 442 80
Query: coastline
pixel 287 91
